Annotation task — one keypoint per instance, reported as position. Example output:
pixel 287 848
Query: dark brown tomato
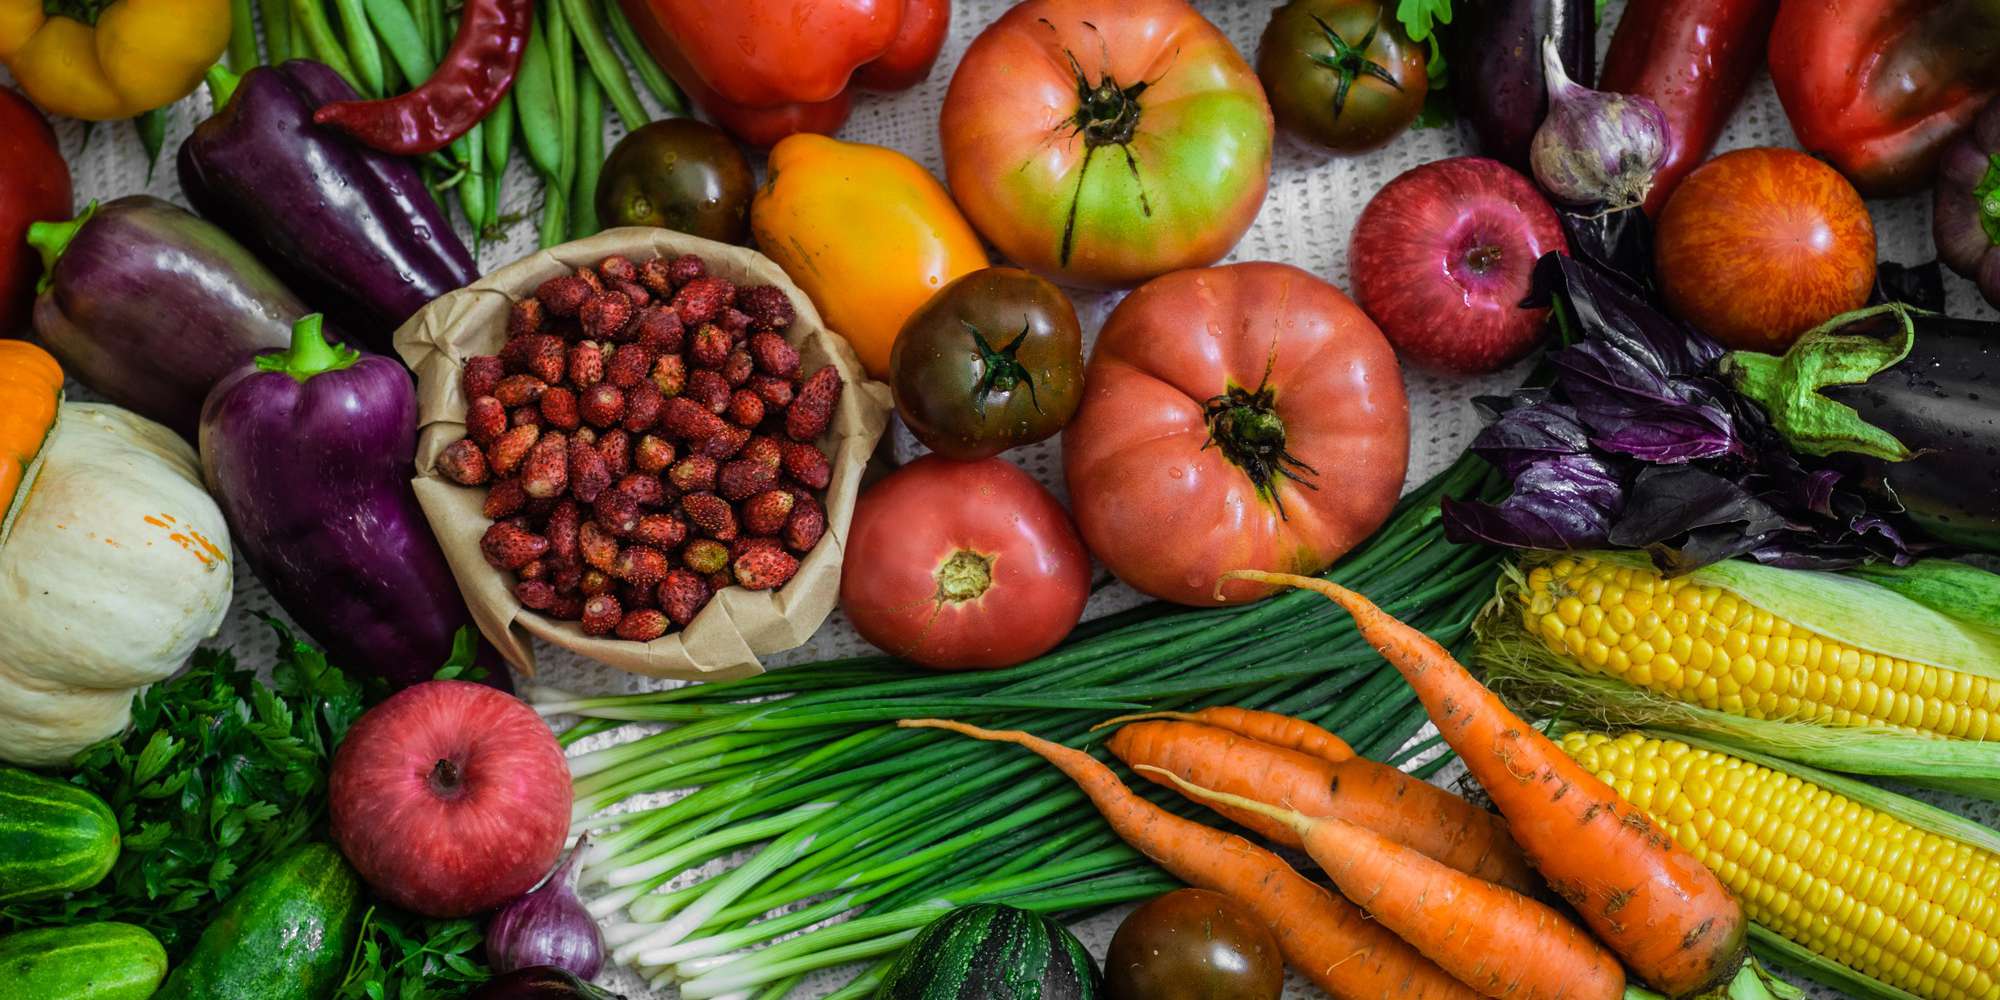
pixel 1341 73
pixel 1192 944
pixel 679 174
pixel 992 361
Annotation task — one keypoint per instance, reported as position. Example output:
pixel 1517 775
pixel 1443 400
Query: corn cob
pixel 1703 644
pixel 1908 907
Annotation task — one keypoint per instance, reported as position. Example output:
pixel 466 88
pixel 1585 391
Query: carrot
pixel 1671 920
pixel 1324 937
pixel 1264 727
pixel 1361 791
pixel 1500 942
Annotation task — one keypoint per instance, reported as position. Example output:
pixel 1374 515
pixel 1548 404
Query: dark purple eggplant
pixel 539 982
pixel 1496 67
pixel 309 452
pixel 149 305
pixel 352 230
pixel 1908 395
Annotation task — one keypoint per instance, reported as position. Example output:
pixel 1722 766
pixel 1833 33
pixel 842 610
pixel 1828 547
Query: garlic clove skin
pixel 1596 147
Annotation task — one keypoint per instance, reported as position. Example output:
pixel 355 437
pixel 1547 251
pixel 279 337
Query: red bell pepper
pixel 1879 87
pixel 764 69
pixel 34 186
pixel 1693 58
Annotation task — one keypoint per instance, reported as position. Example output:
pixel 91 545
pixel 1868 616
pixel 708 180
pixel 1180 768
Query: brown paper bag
pixel 738 625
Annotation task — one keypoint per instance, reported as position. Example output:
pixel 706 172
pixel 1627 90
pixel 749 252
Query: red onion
pixel 548 926
pixel 1595 146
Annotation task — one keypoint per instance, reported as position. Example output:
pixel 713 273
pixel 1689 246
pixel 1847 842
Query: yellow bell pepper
pixel 136 55
pixel 866 232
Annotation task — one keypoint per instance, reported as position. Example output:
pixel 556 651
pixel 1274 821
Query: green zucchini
pixel 992 952
pixel 54 837
pixel 106 961
pixel 286 935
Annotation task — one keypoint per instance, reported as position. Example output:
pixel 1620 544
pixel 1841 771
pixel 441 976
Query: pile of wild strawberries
pixel 649 440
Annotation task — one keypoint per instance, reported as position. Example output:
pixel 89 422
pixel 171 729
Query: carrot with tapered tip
pixel 1264 727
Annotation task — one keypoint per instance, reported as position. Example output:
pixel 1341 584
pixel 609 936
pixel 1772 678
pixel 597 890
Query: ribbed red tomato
pixel 1240 417
pixel 963 565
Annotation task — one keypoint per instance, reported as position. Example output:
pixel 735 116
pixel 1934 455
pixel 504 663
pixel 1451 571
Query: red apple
pixel 1442 257
pixel 450 798
pixel 1760 245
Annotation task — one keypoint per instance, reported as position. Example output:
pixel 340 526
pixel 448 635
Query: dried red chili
pixel 474 74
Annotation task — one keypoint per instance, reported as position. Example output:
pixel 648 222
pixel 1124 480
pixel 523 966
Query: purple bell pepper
pixel 309 451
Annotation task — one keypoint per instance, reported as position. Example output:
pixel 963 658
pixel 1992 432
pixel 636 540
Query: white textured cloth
pixel 1306 220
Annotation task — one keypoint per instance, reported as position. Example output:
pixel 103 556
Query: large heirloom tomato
pixel 963 565
pixel 1239 417
pixel 1102 142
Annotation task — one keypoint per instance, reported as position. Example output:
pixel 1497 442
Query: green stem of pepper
pixel 309 354
pixel 152 129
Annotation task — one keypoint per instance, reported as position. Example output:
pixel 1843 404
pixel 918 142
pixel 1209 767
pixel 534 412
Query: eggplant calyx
pixel 1788 386
pixel 310 353
pixel 221 85
pixel 50 239
pixel 1987 194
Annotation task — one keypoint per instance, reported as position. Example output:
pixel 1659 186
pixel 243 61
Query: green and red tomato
pixel 1193 944
pixel 1341 73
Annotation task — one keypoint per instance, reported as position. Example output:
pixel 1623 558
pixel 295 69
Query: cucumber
pixel 992 952
pixel 286 935
pixel 54 837
pixel 106 961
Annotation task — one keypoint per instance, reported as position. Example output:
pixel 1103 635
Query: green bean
pixel 562 69
pixel 398 30
pixel 310 19
pixel 277 30
pixel 152 129
pixel 584 20
pixel 472 193
pixel 650 74
pixel 362 48
pixel 242 37
pixel 535 103
pixel 499 142
pixel 589 158
pixel 429 27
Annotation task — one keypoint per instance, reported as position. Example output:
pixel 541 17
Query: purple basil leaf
pixel 1518 438
pixel 1560 503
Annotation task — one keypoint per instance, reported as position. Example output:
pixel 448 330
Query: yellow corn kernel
pixel 1729 655
pixel 1854 884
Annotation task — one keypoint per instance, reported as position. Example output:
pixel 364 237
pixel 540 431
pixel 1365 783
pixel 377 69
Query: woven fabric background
pixel 1306 220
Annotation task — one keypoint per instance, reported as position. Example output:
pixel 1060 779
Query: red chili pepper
pixel 474 74
pixel 1693 58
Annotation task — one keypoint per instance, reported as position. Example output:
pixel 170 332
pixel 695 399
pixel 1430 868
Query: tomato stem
pixel 1245 424
pixel 1349 61
pixel 1106 114
pixel 964 577
pixel 1001 370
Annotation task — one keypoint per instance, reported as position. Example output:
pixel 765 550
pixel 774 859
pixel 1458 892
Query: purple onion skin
pixel 1965 210
pixel 548 926
pixel 314 478
pixel 541 982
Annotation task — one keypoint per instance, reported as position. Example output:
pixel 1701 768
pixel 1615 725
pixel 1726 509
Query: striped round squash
pixel 54 837
pixel 992 952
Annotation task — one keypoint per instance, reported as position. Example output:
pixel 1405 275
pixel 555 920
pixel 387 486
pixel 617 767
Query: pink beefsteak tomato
pixel 963 565
pixel 1240 417
pixel 1442 257
pixel 450 798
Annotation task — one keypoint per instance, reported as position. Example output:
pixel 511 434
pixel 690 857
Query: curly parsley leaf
pixel 402 956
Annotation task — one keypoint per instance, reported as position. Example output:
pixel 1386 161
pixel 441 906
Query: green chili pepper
pixel 650 74
pixel 242 37
pixel 152 129
pixel 310 19
pixel 397 28
pixel 584 18
pixel 589 157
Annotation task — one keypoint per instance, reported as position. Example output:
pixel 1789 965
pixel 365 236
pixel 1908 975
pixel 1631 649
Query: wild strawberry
pixel 768 307
pixel 773 355
pixel 685 268
pixel 462 462
pixel 764 450
pixel 805 527
pixel 618 268
pixel 535 595
pixel 641 566
pixel 642 407
pixel 642 625
pixel 481 376
pixel 670 374
pixel 601 615
pixel 746 408
pixel 525 416
pixel 661 531
pixel 653 274
pixel 682 596
pixel 598 547
pixel 525 318
pixel 652 454
pixel 748 542
pixel 589 476
pixel 639 296
pixel 693 474
pixel 537 354
pixel 616 447
pixel 705 556
pixel 708 389
pixel 559 409
pixel 519 390
pixel 659 328
pixel 642 487
pixel 590 278
pixel 617 512
pixel 545 472
pixel 602 405
pixel 564 522
pixel 737 368
pixel 509 546
pixel 594 582
pixel 563 296
pixel 777 392
pixel 565 576
pixel 764 568
pixel 811 413
pixel 587 435
pixel 533 571
pixel 504 499
pixel 606 316
pixel 709 346
pixel 567 608
pixel 734 323
pixel 724 443
pixel 586 364
pixel 744 478
pixel 507 454
pixel 766 513
pixel 806 463
pixel 629 365
pixel 710 515
pixel 686 420
pixel 702 300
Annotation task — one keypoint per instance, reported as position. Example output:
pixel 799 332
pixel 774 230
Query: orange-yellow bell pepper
pixel 865 231
pixel 104 59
